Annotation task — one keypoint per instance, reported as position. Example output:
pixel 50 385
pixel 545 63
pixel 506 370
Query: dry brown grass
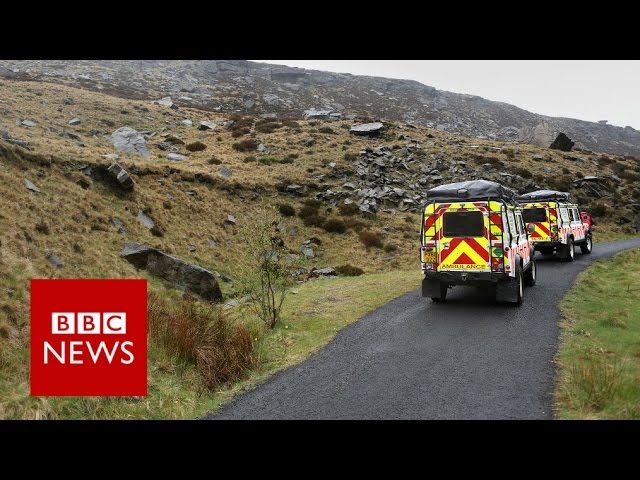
pixel 200 334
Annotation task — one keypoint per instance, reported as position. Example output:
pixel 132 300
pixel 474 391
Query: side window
pixel 564 214
pixel 512 223
pixel 575 214
pixel 519 223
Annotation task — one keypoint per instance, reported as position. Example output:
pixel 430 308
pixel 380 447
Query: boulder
pixel 225 172
pixel 30 186
pixel 145 220
pixel 68 101
pixel 205 125
pixel 322 272
pixel 71 135
pixel 176 157
pixel 187 122
pixel 165 102
pixel 74 121
pixel 562 142
pixel 120 226
pixel 54 260
pixel 128 140
pixel 28 123
pixel 121 177
pixel 368 129
pixel 307 251
pixel 319 114
pixel 231 220
pixel 171 138
pixel 192 278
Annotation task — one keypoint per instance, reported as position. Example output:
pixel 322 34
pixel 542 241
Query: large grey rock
pixel 74 121
pixel 176 157
pixel 145 220
pixel 28 123
pixel 165 102
pixel 54 260
pixel 71 135
pixel 320 114
pixel 120 177
pixel 368 129
pixel 323 272
pixel 205 125
pixel 120 226
pixel 128 140
pixel 178 273
pixel 231 220
pixel 307 251
pixel 562 142
pixel 225 172
pixel 30 186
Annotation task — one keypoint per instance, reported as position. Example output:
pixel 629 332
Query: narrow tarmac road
pixel 467 358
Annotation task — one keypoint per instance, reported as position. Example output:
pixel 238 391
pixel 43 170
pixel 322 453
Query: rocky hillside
pixel 262 89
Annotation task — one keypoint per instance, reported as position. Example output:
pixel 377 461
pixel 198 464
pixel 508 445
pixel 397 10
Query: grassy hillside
pixel 72 215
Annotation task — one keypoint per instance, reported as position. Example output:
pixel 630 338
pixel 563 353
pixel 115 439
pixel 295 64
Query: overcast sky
pixel 585 89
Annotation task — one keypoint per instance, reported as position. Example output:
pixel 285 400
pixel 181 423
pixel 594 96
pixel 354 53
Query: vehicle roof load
pixel 470 190
pixel 545 195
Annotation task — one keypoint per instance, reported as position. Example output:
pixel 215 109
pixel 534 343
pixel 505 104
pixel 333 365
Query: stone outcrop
pixel 185 276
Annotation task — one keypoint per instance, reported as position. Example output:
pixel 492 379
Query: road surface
pixel 467 358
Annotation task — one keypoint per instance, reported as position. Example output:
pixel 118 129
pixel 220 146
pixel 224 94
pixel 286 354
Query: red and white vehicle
pixel 555 223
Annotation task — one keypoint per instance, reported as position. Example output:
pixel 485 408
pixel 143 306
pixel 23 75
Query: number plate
pixel 430 257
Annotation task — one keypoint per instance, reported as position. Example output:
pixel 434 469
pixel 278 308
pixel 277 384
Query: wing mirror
pixel 531 228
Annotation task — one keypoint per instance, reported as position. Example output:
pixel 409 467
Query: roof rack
pixel 471 190
pixel 545 196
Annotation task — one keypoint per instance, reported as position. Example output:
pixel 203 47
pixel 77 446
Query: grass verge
pixel 599 355
pixel 313 313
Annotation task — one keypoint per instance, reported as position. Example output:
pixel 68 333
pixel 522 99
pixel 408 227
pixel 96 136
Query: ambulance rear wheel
pixel 530 275
pixel 587 246
pixel 443 293
pixel 570 251
pixel 520 291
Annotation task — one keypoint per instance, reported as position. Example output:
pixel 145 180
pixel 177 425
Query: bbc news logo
pixel 89 337
pixel 69 323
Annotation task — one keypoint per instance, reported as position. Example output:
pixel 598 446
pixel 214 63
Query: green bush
pixel 286 210
pixel 307 211
pixel 371 239
pixel 314 220
pixel 312 202
pixel 349 270
pixel 348 210
pixel 238 132
pixel 249 159
pixel 247 145
pixel 196 146
pixel 334 225
pixel 390 247
pixel 354 224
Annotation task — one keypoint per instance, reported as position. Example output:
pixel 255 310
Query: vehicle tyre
pixel 570 251
pixel 531 274
pixel 520 286
pixel 443 293
pixel 587 246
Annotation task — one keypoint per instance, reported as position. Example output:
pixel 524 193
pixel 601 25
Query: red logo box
pixel 89 337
